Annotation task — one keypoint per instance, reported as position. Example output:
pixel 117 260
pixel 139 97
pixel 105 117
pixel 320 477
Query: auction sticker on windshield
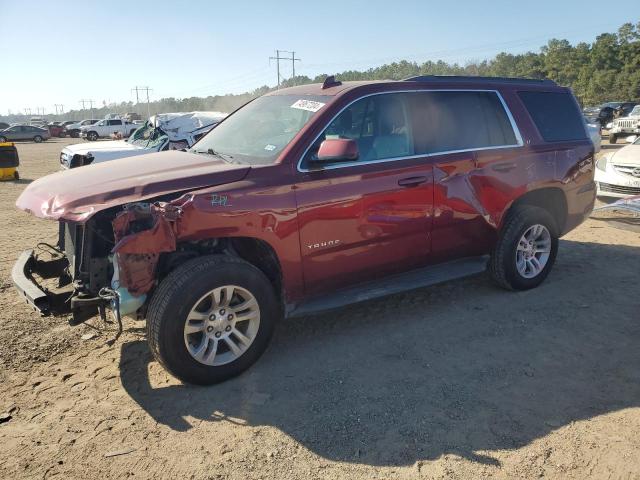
pixel 309 105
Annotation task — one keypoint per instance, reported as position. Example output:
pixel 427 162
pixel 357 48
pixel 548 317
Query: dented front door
pixel 360 223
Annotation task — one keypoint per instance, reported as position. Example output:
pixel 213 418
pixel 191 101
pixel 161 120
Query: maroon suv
pixel 310 198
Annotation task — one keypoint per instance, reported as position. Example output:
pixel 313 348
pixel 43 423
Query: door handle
pixel 503 167
pixel 412 181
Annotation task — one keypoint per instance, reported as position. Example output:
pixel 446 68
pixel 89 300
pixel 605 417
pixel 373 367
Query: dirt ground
pixel 461 380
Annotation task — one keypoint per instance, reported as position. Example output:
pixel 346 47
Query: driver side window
pixel 379 125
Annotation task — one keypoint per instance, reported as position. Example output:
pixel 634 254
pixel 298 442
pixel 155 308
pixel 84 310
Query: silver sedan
pixel 24 132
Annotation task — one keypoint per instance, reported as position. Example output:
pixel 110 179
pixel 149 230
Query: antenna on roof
pixel 330 81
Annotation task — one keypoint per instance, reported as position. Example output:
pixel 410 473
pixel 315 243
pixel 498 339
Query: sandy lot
pixel 462 380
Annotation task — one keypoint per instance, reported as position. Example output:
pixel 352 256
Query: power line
pixel 145 89
pixel 293 59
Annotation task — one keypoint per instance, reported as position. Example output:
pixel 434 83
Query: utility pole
pixel 147 90
pixel 90 102
pixel 27 111
pixel 293 59
pixel 56 105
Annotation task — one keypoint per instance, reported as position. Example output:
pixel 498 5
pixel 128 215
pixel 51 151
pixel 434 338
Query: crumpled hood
pixel 79 193
pixel 629 155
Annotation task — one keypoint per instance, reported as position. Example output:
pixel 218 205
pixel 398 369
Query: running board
pixel 414 279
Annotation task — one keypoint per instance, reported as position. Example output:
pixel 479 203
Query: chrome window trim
pixel 514 126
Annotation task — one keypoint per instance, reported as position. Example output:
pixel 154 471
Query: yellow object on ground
pixel 9 161
pixel 9 174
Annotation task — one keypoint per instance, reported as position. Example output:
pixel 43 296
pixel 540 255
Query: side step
pixel 414 279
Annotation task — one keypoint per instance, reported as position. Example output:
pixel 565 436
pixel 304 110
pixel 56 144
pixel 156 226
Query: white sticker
pixel 270 148
pixel 309 105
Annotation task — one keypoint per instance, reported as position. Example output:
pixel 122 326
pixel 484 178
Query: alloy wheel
pixel 222 325
pixel 534 250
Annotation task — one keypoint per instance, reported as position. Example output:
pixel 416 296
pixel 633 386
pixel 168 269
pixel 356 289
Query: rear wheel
pixel 74 134
pixel 37 139
pixel 613 138
pixel 526 249
pixel 211 319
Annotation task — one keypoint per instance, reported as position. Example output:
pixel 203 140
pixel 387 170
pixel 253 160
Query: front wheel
pixel 93 136
pixel 526 249
pixel 211 319
pixel 613 138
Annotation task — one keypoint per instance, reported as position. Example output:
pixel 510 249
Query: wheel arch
pixel 253 250
pixel 551 199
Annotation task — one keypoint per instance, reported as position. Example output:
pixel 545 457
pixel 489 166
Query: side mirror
pixel 338 150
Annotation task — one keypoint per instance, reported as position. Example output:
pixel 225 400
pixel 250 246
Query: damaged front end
pixel 109 262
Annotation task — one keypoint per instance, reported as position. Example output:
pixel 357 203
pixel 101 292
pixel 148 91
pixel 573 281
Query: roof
pixel 316 88
pixel 440 80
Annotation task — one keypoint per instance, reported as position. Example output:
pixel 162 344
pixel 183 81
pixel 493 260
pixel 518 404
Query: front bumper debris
pixel 59 298
pixel 623 214
pixel 40 298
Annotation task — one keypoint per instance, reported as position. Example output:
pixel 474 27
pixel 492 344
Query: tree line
pixel 606 70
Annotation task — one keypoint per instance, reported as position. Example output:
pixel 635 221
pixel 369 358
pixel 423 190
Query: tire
pixel 504 266
pixel 613 138
pixel 74 133
pixel 92 136
pixel 3 139
pixel 182 291
pixel 16 175
pixel 37 139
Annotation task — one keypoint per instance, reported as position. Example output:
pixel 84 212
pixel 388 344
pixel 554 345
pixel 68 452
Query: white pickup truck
pixel 107 126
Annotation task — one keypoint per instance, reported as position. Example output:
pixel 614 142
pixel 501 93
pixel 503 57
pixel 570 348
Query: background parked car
pixel 595 135
pixel 618 172
pixel 24 132
pixel 55 130
pixel 604 114
pixel 624 126
pixel 73 130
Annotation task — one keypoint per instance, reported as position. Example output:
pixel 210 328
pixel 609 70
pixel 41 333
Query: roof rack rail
pixel 470 78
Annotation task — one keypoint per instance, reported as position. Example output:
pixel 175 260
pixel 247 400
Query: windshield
pixel 259 131
pixel 147 136
pixel 635 112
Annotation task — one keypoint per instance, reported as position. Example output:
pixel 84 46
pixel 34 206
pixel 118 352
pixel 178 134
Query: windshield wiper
pixel 224 156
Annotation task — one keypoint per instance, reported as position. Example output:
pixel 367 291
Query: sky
pixel 61 52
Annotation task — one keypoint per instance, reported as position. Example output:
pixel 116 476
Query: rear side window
pixel 452 121
pixel 555 114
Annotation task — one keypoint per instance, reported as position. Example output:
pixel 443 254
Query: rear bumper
pixel 580 203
